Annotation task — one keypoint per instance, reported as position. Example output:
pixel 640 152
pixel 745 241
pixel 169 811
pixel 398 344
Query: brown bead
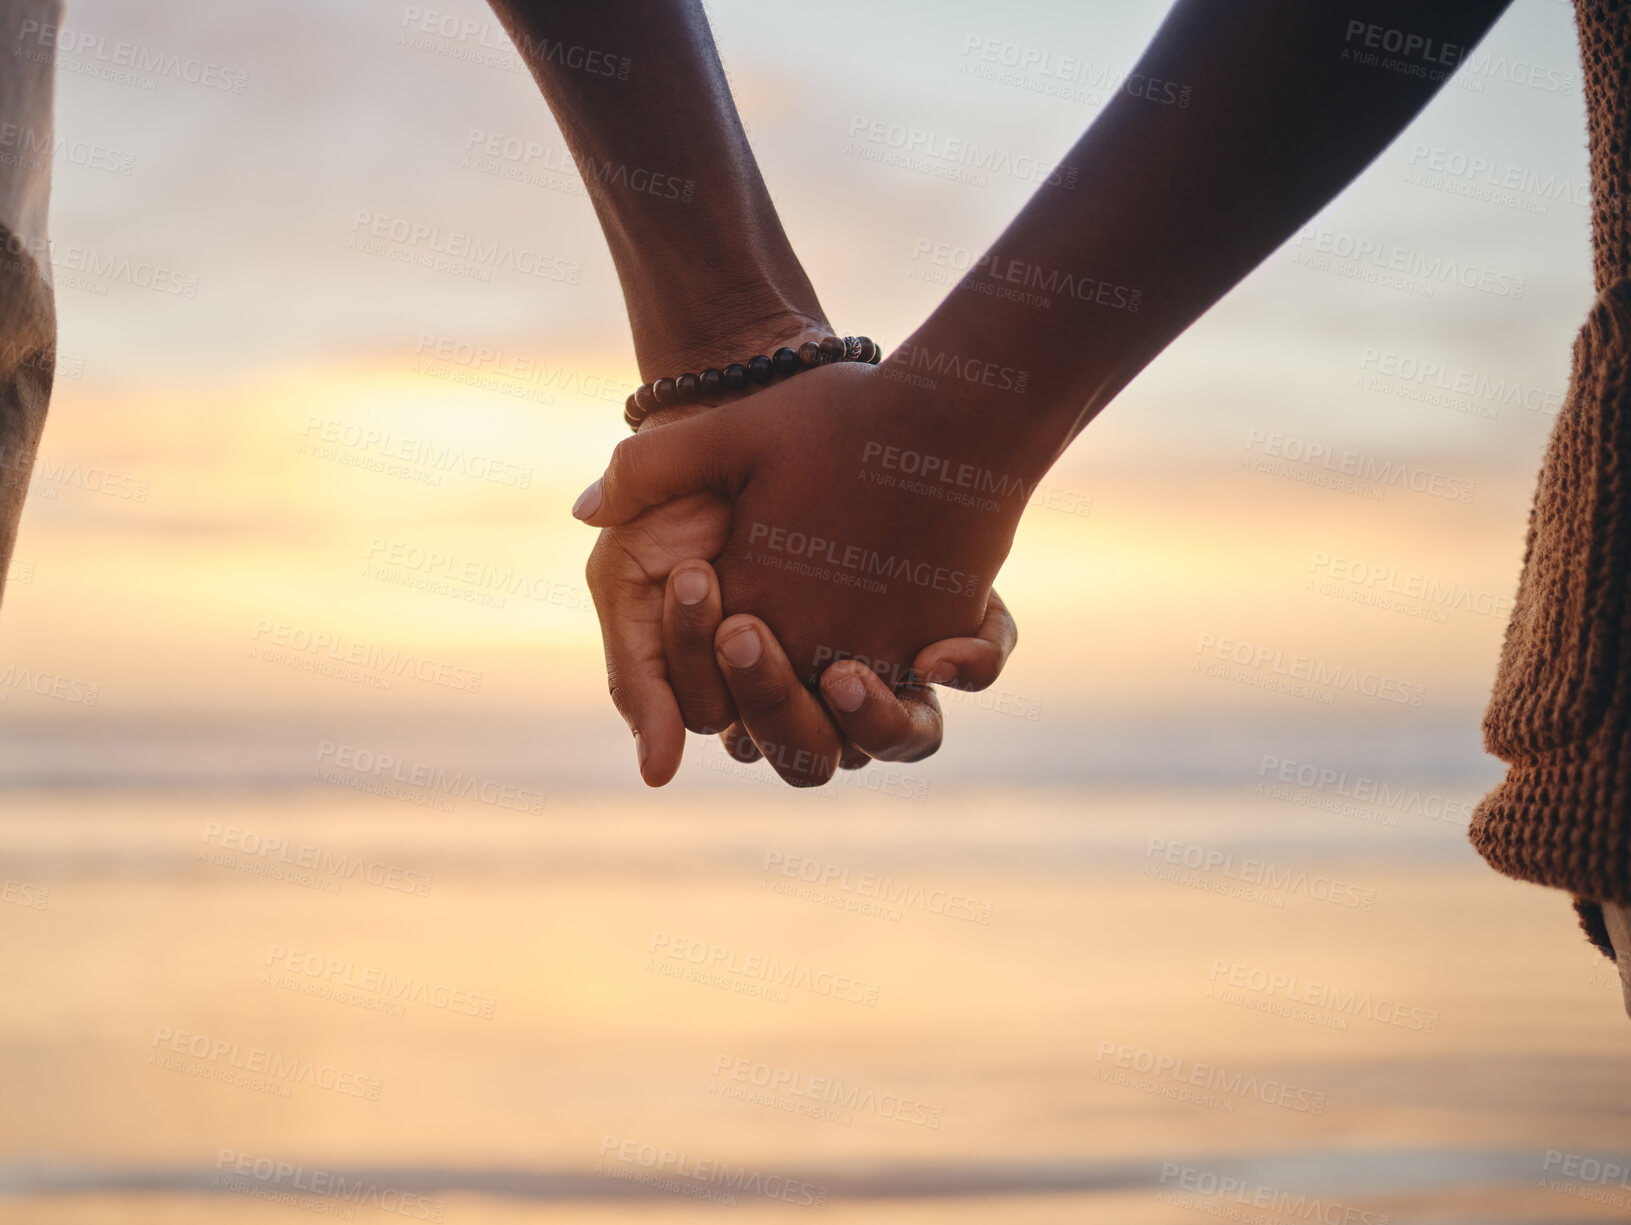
pixel 631 413
pixel 832 348
pixel 870 352
pixel 645 399
pixel 736 376
pixel 690 388
pixel 810 354
pixel 759 369
pixel 665 392
pixel 711 380
pixel 785 361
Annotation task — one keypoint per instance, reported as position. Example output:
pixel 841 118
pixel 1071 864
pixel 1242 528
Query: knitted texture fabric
pixel 1560 714
pixel 1605 61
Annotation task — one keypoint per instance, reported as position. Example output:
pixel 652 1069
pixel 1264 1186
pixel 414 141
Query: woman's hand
pixel 840 556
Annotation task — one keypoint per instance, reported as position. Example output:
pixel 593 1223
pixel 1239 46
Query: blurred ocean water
pixel 1083 1003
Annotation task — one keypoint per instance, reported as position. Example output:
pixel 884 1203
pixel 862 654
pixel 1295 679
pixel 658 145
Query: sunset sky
pixel 250 362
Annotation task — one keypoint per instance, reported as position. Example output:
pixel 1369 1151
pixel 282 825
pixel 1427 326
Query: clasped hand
pixel 761 575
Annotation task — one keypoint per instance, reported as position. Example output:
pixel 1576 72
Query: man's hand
pixel 660 612
pixel 837 561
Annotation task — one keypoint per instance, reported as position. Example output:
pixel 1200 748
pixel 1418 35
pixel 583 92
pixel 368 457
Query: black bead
pixel 689 386
pixel 832 348
pixel 785 361
pixel 665 392
pixel 870 352
pixel 759 369
pixel 644 398
pixel 810 354
pixel 711 380
pixel 736 375
pixel 631 414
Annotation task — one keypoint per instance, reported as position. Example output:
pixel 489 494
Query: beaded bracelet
pixel 689 388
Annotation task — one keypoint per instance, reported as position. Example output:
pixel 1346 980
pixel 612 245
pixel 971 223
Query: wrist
pixel 676 334
pixel 983 402
pixel 696 296
pixel 715 339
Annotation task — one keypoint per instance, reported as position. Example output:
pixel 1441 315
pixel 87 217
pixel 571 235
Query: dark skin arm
pixel 648 115
pixel 708 277
pixel 1180 203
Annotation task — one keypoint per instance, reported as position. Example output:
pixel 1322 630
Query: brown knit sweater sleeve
pixel 1561 710
pixel 1605 64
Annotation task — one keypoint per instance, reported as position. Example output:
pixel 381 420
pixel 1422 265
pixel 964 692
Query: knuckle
pixel 763 696
pixel 694 627
pixel 624 467
pixel 597 570
pixel 706 718
pixel 620 694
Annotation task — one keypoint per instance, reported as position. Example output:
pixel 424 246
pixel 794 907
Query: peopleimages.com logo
pixel 1278 986
pixel 125 62
pixel 1189 1187
pixel 675 1170
pixel 1321 677
pixel 286 1182
pixel 801 553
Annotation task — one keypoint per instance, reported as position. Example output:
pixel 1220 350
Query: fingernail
pixel 742 649
pixel 640 751
pixel 941 674
pixel 588 502
pixel 847 693
pixel 690 587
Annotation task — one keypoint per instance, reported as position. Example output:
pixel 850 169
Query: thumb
pixel 654 467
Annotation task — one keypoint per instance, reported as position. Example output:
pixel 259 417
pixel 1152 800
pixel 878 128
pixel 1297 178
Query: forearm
pixel 638 91
pixel 1180 204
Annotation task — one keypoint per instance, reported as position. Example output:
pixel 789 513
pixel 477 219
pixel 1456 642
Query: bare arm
pixel 1290 100
pixel 709 278
pixel 640 95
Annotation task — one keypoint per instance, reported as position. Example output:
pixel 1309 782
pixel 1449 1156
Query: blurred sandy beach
pixel 1002 1006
